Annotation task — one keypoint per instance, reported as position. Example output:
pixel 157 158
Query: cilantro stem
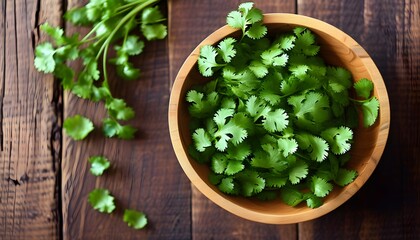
pixel 104 48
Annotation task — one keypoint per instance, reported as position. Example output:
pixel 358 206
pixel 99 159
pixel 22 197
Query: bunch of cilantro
pixel 125 25
pixel 275 120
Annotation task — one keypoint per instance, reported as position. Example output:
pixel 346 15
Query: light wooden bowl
pixel 338 49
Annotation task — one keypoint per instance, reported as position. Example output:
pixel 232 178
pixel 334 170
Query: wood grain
pixel 144 173
pixel 208 220
pixel 30 118
pixel 387 206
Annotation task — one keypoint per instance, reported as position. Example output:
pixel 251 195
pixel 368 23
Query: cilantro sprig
pixel 125 25
pixel 275 119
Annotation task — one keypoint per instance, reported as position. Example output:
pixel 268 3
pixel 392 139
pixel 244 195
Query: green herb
pixel 101 200
pixel 78 127
pixel 112 23
pixel 135 219
pixel 274 117
pixel 98 165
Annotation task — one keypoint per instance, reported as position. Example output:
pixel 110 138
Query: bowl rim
pixel 349 190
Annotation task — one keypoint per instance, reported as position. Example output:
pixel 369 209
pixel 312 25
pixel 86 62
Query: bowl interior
pixel 337 49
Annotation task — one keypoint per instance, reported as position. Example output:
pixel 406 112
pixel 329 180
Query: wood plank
pixel 144 174
pixel 30 119
pixel 209 220
pixel 387 206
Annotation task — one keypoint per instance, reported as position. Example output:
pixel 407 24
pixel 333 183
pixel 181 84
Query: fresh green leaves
pixel 369 105
pixel 112 23
pixel 98 165
pixel 275 116
pixel 135 219
pixel 248 19
pixel 101 200
pixel 78 127
pixel 44 58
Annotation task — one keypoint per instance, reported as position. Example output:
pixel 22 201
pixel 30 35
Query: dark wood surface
pixel 44 178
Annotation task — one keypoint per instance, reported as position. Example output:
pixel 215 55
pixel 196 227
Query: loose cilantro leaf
pixel 101 200
pixel 135 219
pixel 44 57
pixel 151 27
pixel 98 165
pixel 78 127
pixel 111 128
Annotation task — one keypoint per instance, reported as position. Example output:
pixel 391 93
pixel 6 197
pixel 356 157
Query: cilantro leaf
pixel 339 139
pixel 135 219
pixel 320 187
pixel 132 46
pixel 363 88
pixel 248 19
pixel 315 146
pixel 154 31
pixel 291 197
pixel 78 127
pixel 344 177
pixel 98 165
pixel 226 49
pixel 251 182
pixel 305 43
pixel 233 167
pixel 44 57
pixel 55 33
pixel 118 109
pixel 101 200
pixel 219 163
pixel 298 172
pixel 256 31
pixel 227 185
pixel 287 146
pixel 111 128
pixel 201 139
pixel 310 109
pixel 275 121
pixel 150 27
pixel 313 201
pixel 207 60
pixel 370 111
pixel 202 106
pixel 258 68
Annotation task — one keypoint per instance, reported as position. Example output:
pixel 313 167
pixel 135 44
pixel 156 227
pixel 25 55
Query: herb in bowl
pixel 275 119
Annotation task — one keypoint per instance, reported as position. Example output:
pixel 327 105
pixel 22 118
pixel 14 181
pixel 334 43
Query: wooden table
pixel 44 175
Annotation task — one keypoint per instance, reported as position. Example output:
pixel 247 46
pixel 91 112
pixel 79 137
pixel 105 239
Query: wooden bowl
pixel 337 48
